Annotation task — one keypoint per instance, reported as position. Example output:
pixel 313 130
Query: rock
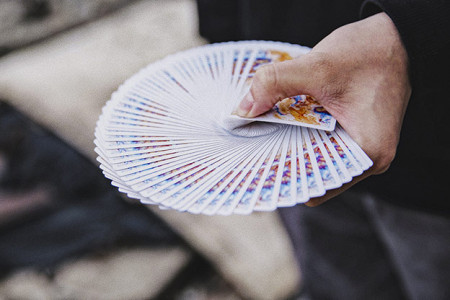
pixel 252 252
pixel 66 80
pixel 23 22
pixel 126 274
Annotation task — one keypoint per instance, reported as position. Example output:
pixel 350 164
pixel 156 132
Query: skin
pixel 359 73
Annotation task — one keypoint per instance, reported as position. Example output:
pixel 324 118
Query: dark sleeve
pixel 415 179
pixel 218 20
pixel 424 27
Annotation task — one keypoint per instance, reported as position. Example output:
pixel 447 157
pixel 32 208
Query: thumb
pixel 273 83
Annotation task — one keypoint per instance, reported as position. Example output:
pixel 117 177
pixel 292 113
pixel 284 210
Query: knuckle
pixel 325 70
pixel 266 76
pixel 385 160
pixel 322 65
pixel 265 87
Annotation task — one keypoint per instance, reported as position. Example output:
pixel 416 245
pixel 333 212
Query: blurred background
pixel 65 232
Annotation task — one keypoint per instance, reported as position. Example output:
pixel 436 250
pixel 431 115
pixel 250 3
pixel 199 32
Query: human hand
pixel 359 73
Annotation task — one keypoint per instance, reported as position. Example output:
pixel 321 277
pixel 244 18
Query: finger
pixel 275 82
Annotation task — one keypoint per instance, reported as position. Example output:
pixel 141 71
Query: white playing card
pixel 168 136
pixel 298 110
pixel 328 172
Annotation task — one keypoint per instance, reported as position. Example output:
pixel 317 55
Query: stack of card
pixel 170 136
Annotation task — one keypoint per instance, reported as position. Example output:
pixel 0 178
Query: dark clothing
pixel 358 247
pixel 376 241
pixel 418 176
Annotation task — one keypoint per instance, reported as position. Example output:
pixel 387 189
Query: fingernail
pixel 245 106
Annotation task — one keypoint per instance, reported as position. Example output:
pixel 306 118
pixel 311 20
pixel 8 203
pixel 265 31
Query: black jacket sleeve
pixel 415 178
pixel 424 26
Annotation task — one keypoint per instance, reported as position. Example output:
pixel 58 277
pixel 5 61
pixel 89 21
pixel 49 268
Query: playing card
pixel 226 191
pixel 168 136
pixel 263 180
pixel 298 110
pixel 287 195
pixel 336 160
pixel 328 172
pixel 314 180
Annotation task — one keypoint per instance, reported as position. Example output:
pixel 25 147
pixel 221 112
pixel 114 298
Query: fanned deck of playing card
pixel 169 136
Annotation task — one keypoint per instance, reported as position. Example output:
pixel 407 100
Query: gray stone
pixel 64 82
pixel 252 252
pixel 23 22
pixel 125 274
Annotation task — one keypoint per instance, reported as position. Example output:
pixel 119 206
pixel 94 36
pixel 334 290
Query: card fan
pixel 169 136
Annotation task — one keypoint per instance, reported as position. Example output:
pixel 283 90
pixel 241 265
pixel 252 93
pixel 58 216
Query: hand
pixel 359 73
